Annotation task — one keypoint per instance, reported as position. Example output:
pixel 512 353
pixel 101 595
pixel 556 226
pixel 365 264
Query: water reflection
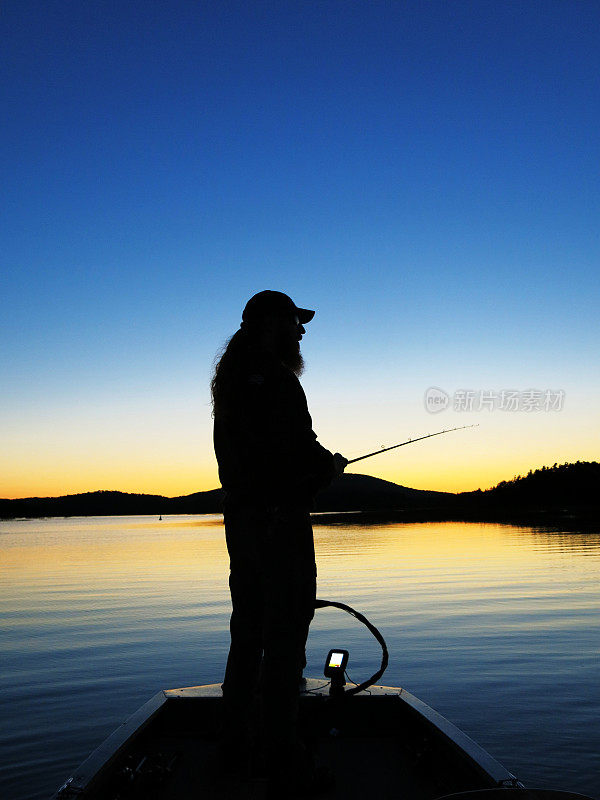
pixel 495 625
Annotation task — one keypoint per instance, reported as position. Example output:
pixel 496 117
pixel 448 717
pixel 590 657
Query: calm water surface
pixel 495 626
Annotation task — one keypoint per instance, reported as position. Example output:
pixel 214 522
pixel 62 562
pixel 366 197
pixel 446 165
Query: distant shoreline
pixel 587 520
pixel 582 520
pixel 564 495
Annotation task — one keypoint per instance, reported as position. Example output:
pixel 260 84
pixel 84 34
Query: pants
pixel 273 591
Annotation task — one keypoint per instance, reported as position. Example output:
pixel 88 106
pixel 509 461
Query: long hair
pixel 242 349
pixel 229 361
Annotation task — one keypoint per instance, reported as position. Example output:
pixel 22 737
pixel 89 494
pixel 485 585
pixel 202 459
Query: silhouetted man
pixel 271 466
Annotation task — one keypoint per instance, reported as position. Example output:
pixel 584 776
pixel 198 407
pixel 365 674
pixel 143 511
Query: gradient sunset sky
pixel 426 175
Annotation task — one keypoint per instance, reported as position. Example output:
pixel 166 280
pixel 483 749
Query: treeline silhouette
pixel 570 488
pixel 569 484
pixel 112 503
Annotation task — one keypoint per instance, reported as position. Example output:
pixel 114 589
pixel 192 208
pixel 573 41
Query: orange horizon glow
pixel 459 478
pixel 77 455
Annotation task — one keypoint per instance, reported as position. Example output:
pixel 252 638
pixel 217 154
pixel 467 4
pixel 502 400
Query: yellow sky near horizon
pixel 460 461
pixel 161 442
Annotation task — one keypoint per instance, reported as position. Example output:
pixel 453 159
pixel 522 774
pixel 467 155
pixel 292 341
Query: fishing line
pixel 411 441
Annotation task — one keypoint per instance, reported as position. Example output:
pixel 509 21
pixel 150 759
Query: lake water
pixel 495 626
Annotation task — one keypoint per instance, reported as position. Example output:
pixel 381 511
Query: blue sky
pixel 425 175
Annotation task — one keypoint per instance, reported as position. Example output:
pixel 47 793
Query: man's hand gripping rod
pixel 410 441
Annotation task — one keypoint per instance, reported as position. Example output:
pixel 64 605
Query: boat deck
pixel 384 744
pixel 360 766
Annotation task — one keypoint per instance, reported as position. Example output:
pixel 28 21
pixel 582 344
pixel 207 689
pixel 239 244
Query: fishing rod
pixel 411 441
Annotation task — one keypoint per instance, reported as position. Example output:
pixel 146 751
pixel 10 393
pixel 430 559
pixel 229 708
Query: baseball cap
pixel 269 302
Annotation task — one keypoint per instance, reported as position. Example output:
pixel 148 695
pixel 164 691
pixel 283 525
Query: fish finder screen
pixel 336 659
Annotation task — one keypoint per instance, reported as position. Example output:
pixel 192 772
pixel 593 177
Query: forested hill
pixel 562 485
pixel 347 493
pixel 565 487
pixel 109 503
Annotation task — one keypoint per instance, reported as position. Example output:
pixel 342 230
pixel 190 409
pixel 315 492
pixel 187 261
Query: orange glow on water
pixel 125 554
pixel 128 548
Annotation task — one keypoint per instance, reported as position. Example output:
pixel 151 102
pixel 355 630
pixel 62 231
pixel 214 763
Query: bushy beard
pixel 288 351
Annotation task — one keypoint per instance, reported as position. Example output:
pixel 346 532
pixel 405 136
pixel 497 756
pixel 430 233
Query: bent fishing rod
pixel 411 441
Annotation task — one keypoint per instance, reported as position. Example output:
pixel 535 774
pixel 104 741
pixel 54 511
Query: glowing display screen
pixel 336 659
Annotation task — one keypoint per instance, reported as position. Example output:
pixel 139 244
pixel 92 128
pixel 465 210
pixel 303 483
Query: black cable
pixel 317 689
pixel 353 682
pixel 374 631
pixel 349 678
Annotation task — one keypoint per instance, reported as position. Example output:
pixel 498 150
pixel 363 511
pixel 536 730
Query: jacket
pixel 265 446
